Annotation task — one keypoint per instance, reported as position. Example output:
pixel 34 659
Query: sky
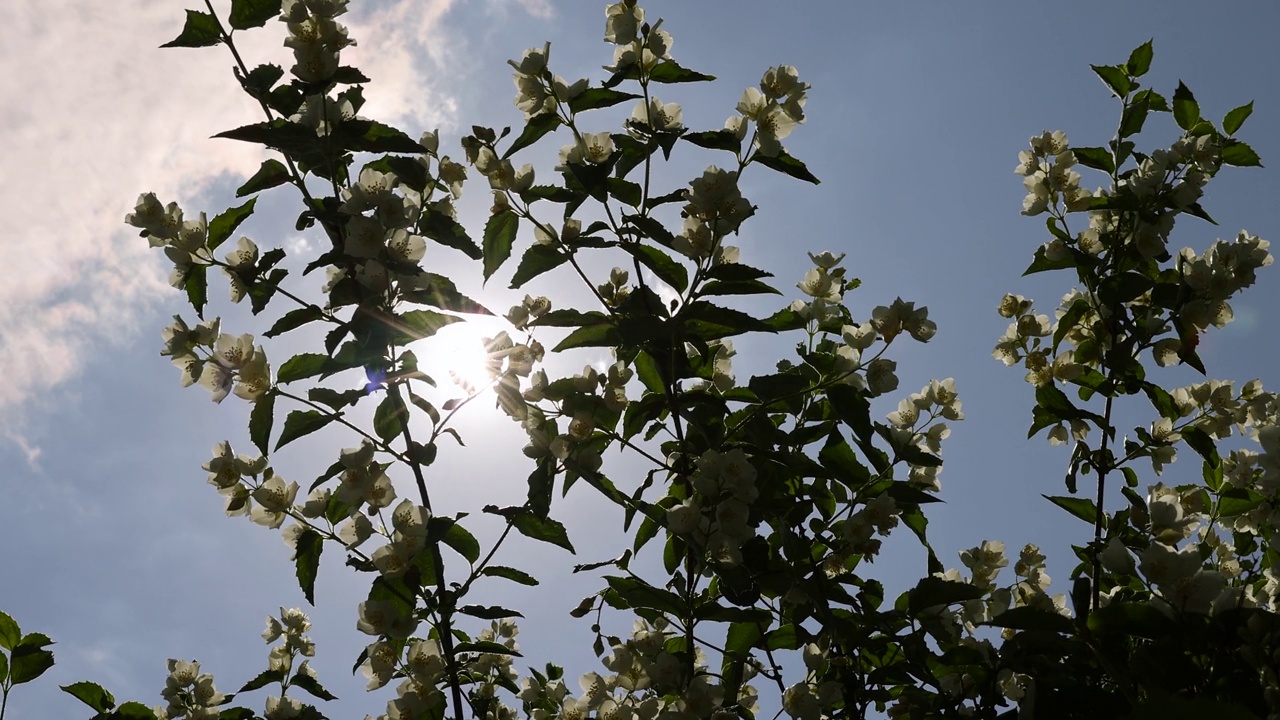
pixel 115 546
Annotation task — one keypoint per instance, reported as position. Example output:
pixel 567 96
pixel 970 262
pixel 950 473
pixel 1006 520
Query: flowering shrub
pixel 768 498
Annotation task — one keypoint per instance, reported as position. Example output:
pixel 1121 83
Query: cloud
pixel 95 114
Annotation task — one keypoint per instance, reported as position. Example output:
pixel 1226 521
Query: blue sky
pixel 116 547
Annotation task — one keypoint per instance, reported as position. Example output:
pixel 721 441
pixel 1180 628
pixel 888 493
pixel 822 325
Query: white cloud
pixel 96 114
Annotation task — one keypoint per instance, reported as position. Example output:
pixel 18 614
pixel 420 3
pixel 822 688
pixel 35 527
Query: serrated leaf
pixel 1202 443
pixel 197 287
pixel 200 30
pixel 295 319
pixel 1094 157
pixel 300 423
pixel 271 174
pixel 1114 78
pixel 1140 60
pixel 537 259
pixel 1234 119
pixel 545 529
pixel 933 591
pixel 419 324
pixel 1186 111
pixel 639 594
pixel 301 366
pixel 91 694
pixel 534 130
pixel 787 165
pixel 1238 154
pixel 247 14
pixel 448 232
pixel 510 573
pixel 715 140
pixel 307 562
pixel 486 646
pixel 666 268
pixel 462 542
pixel 597 98
pixel 389 418
pixel 10 633
pixel 1082 508
pixel 499 235
pixel 261 418
pixel 311 685
pixel 375 137
pixel 672 72
pixel 625 191
pixel 28 662
pixel 603 335
pixel 489 612
pixel 221 227
pixel 137 711
pixel 264 678
pixel 1031 618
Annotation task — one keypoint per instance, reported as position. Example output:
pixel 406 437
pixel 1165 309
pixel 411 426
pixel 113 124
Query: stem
pixel 336 416
pixel 446 611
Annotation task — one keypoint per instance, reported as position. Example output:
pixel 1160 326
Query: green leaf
pixel 637 593
pixel 1114 78
pixel 4 668
pixel 624 191
pixel 499 235
pixel 1235 501
pixel 261 418
pixel 247 14
pixel 544 529
pixel 1032 618
pixel 510 573
pixel 672 72
pixel 1238 154
pixel 137 711
pixel 787 165
pixel 537 260
pixel 486 646
pixel 1095 157
pixel 301 366
pixel 668 269
pixel 933 591
pixel 448 232
pixel 258 83
pixel 1200 441
pixel 221 227
pixel 439 291
pixel 489 612
pixel 307 562
pixel 271 174
pixel 462 542
pixel 596 98
pixel 418 324
pixel 1139 60
pixel 197 287
pixel 707 322
pixel 603 335
pixel 1234 119
pixel 311 685
pixel 541 483
pixel 1135 115
pixel 28 662
pixel 295 319
pixel 537 126
pixel 375 137
pixel 301 423
pixel 1131 619
pixel 1186 111
pixel 200 30
pixel 715 140
pixel 91 694
pixel 264 678
pixel 1082 508
pixel 389 418
pixel 10 633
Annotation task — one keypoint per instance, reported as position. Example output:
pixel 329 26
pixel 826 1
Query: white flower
pixel 596 147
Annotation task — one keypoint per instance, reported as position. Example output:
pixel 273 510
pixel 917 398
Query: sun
pixel 456 355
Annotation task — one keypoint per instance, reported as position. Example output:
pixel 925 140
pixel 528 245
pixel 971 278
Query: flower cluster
pixel 189 692
pixel 1048 176
pixel 776 108
pixel 717 516
pixel 637 46
pixel 236 478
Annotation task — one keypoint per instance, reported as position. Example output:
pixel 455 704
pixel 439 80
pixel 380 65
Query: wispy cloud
pixel 95 113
